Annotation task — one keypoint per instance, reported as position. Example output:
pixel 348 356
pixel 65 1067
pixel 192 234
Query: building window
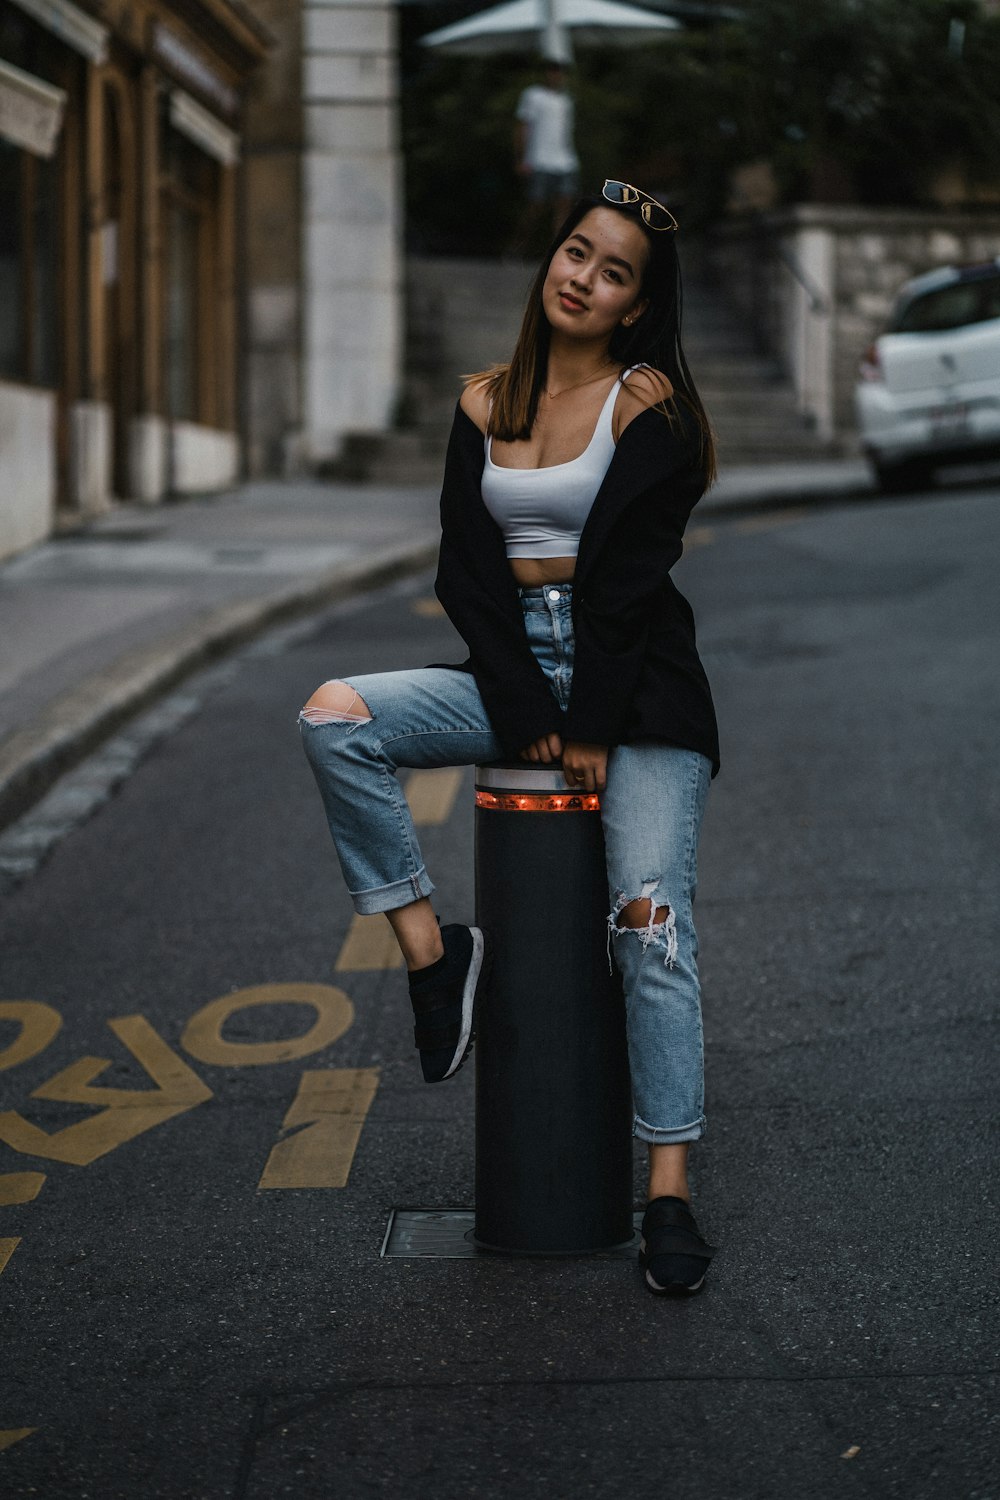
pixel 190 207
pixel 28 268
pixel 29 222
pixel 181 344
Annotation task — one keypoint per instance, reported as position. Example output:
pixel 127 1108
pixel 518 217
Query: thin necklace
pixel 554 395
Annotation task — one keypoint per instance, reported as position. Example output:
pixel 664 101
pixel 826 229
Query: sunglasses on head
pixel 654 214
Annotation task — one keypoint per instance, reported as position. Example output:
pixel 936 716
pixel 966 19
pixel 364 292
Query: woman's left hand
pixel 546 749
pixel 585 767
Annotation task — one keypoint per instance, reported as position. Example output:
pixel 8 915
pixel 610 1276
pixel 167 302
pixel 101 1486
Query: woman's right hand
pixel 547 748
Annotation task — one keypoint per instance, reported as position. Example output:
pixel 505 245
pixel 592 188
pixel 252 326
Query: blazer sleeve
pixel 626 582
pixel 477 589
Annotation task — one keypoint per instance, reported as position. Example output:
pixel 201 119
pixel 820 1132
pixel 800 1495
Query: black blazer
pixel 636 671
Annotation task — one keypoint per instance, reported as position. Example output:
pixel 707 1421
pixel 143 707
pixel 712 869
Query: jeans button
pixel 554 594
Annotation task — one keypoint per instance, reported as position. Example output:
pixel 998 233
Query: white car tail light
pixel 870 367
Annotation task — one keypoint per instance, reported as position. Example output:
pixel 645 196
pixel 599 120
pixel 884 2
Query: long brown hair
pixel 653 339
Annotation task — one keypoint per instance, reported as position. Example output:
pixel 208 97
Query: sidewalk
pixel 744 487
pixel 96 624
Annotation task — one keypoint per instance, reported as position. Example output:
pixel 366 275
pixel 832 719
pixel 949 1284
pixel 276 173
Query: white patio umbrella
pixel 546 26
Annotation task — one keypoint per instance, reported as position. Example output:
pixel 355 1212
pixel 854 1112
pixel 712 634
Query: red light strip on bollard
pixel 538 802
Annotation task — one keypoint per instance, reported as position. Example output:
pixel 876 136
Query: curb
pixel 786 500
pixel 790 497
pixel 32 758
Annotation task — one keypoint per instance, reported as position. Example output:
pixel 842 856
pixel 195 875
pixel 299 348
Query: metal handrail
pixel 819 303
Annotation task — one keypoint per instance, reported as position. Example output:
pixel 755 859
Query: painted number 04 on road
pixel 326 1115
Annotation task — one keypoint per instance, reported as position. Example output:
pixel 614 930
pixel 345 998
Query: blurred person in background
pixel 543 142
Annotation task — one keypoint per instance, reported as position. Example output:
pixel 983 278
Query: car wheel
pixel 901 478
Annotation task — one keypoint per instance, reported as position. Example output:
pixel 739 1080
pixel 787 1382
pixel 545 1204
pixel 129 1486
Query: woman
pixel 570 476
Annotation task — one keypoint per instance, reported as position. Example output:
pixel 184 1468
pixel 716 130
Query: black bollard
pixel 553 1099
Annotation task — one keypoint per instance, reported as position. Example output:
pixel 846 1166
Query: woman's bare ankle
pixel 417 933
pixel 668 1172
pixel 421 958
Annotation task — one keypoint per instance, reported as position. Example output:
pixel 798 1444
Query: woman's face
pixel 594 277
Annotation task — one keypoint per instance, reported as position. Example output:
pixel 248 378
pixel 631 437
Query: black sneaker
pixel 444 998
pixel 672 1252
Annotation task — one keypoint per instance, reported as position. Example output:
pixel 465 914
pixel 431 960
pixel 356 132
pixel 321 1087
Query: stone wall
pixel 816 285
pixel 202 459
pixel 352 231
pixel 27 466
pixel 324 233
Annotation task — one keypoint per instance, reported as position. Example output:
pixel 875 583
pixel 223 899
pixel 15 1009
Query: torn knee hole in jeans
pixel 652 931
pixel 321 714
pixel 331 716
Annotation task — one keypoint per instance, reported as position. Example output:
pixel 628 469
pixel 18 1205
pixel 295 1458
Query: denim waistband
pixel 541 598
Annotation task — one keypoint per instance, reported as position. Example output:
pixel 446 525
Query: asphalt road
pixel 179 1319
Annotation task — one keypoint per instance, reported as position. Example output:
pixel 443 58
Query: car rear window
pixel 952 306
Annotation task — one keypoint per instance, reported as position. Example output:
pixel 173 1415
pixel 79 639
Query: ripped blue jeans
pixel 651 811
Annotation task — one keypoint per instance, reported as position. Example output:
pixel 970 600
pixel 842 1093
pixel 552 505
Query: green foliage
pixel 879 87
pixel 458 136
pixel 863 100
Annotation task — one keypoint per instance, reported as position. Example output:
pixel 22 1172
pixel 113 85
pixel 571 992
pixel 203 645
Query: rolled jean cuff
pixel 389 897
pixel 653 1136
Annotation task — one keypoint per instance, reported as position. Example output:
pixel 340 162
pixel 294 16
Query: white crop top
pixel 542 512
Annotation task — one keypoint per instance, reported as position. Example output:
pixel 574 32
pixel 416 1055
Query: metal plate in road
pixel 449 1234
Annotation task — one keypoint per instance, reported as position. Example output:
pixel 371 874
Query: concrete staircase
pixel 462 315
pixel 748 398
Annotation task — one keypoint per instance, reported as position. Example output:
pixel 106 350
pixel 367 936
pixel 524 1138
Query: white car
pixel 928 391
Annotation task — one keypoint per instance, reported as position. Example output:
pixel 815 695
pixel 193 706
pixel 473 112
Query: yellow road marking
pixel 123 1113
pixel 429 607
pixel 369 944
pixel 176 1082
pixel 702 536
pixel 203 1038
pixel 431 794
pixel 39 1024
pixel 11 1435
pixel 771 519
pixel 698 536
pixel 331 1106
pixel 7 1248
pixel 20 1187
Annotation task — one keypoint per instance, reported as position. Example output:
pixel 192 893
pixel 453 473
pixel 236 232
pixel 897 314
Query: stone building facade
pixel 120 141
pixel 200 246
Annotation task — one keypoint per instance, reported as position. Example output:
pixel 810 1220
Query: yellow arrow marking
pixel 698 536
pixel 431 794
pixel 39 1024
pixel 11 1435
pixel 20 1187
pixel 7 1248
pixel 203 1033
pixel 369 944
pixel 124 1113
pixel 331 1105
pixel 430 607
